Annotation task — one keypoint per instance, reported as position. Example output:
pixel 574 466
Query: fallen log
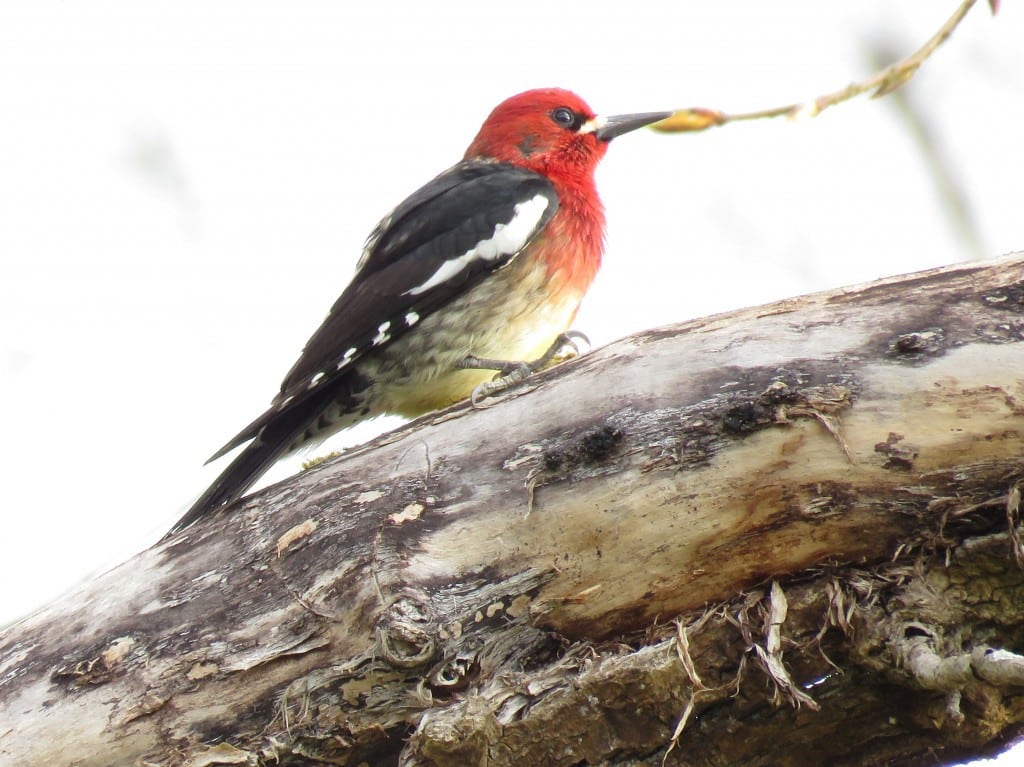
pixel 782 534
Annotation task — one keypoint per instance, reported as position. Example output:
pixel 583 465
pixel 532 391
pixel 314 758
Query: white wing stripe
pixel 508 239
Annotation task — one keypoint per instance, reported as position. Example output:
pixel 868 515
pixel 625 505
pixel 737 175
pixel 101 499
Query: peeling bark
pixel 785 535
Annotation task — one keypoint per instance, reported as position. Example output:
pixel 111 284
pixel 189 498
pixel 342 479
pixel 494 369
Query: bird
pixel 479 272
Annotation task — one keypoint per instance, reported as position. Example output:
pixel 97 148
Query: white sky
pixel 185 188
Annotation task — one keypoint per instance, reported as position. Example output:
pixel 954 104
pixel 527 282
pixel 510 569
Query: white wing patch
pixel 349 354
pixel 382 334
pixel 508 239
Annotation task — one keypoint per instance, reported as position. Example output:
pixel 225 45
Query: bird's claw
pixel 565 347
pixel 512 373
pixel 499 384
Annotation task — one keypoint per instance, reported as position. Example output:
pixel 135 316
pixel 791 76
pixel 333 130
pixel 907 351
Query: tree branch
pixel 779 532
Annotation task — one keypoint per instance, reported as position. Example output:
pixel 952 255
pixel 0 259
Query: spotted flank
pixel 411 319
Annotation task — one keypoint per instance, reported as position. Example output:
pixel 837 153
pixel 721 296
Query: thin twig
pixel 881 83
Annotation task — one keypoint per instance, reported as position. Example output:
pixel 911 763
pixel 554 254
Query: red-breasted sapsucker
pixel 489 261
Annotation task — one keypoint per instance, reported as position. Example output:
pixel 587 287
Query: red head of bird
pixel 549 131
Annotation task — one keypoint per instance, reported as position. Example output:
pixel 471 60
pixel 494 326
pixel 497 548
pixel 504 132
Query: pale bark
pixel 687 527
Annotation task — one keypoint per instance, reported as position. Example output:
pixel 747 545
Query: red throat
pixel 573 246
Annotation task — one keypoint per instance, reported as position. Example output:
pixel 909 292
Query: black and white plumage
pixel 438 245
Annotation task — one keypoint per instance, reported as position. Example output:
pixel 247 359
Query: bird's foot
pixel 510 374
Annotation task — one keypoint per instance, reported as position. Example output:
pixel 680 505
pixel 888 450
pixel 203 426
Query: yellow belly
pixel 514 315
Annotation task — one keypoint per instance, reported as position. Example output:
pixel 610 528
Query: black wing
pixel 443 223
pixel 471 220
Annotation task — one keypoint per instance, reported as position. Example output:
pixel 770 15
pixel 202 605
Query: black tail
pixel 273 440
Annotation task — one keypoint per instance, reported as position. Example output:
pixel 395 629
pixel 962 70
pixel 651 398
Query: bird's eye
pixel 565 118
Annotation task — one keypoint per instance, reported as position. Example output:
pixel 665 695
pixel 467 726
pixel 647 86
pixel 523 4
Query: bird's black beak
pixel 619 124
